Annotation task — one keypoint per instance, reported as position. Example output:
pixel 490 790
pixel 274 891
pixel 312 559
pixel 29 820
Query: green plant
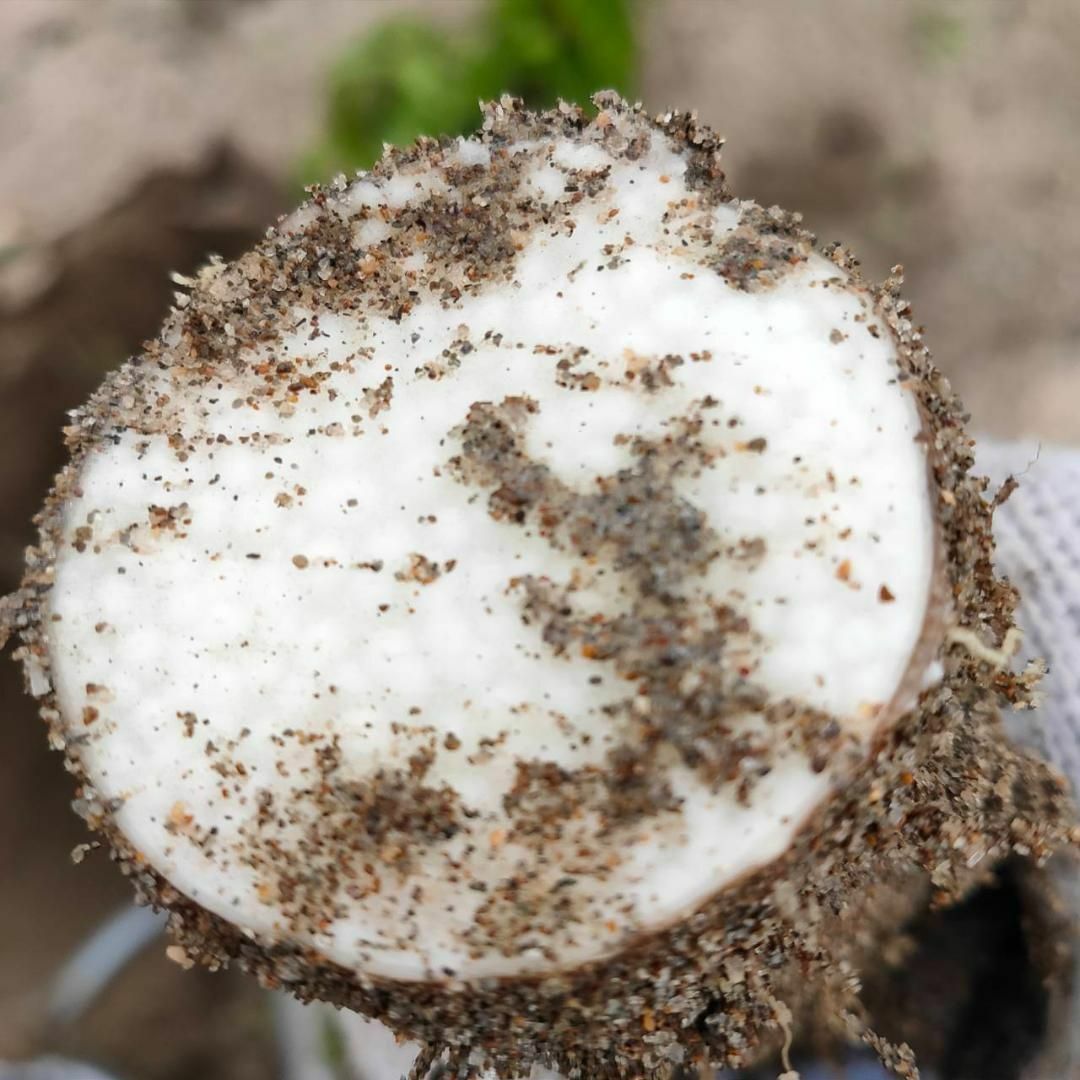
pixel 409 77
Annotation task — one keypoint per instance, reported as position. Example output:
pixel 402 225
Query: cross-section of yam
pixel 535 599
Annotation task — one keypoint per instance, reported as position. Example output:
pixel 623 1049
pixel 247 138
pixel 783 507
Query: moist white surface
pixel 318 571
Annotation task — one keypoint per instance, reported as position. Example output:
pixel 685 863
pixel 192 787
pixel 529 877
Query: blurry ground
pixel 140 135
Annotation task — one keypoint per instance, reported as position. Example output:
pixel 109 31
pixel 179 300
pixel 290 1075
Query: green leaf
pixel 563 48
pixel 399 82
pixel 408 78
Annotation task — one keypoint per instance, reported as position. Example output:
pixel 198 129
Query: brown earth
pixel 141 135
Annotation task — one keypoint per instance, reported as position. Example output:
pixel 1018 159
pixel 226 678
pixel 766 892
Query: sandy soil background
pixel 138 136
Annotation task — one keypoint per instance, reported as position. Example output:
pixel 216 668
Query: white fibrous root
pixel 514 555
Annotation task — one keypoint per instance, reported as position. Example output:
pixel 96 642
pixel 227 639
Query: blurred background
pixel 139 136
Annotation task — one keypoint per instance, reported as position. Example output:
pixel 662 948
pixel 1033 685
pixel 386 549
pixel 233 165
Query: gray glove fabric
pixel 1038 538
